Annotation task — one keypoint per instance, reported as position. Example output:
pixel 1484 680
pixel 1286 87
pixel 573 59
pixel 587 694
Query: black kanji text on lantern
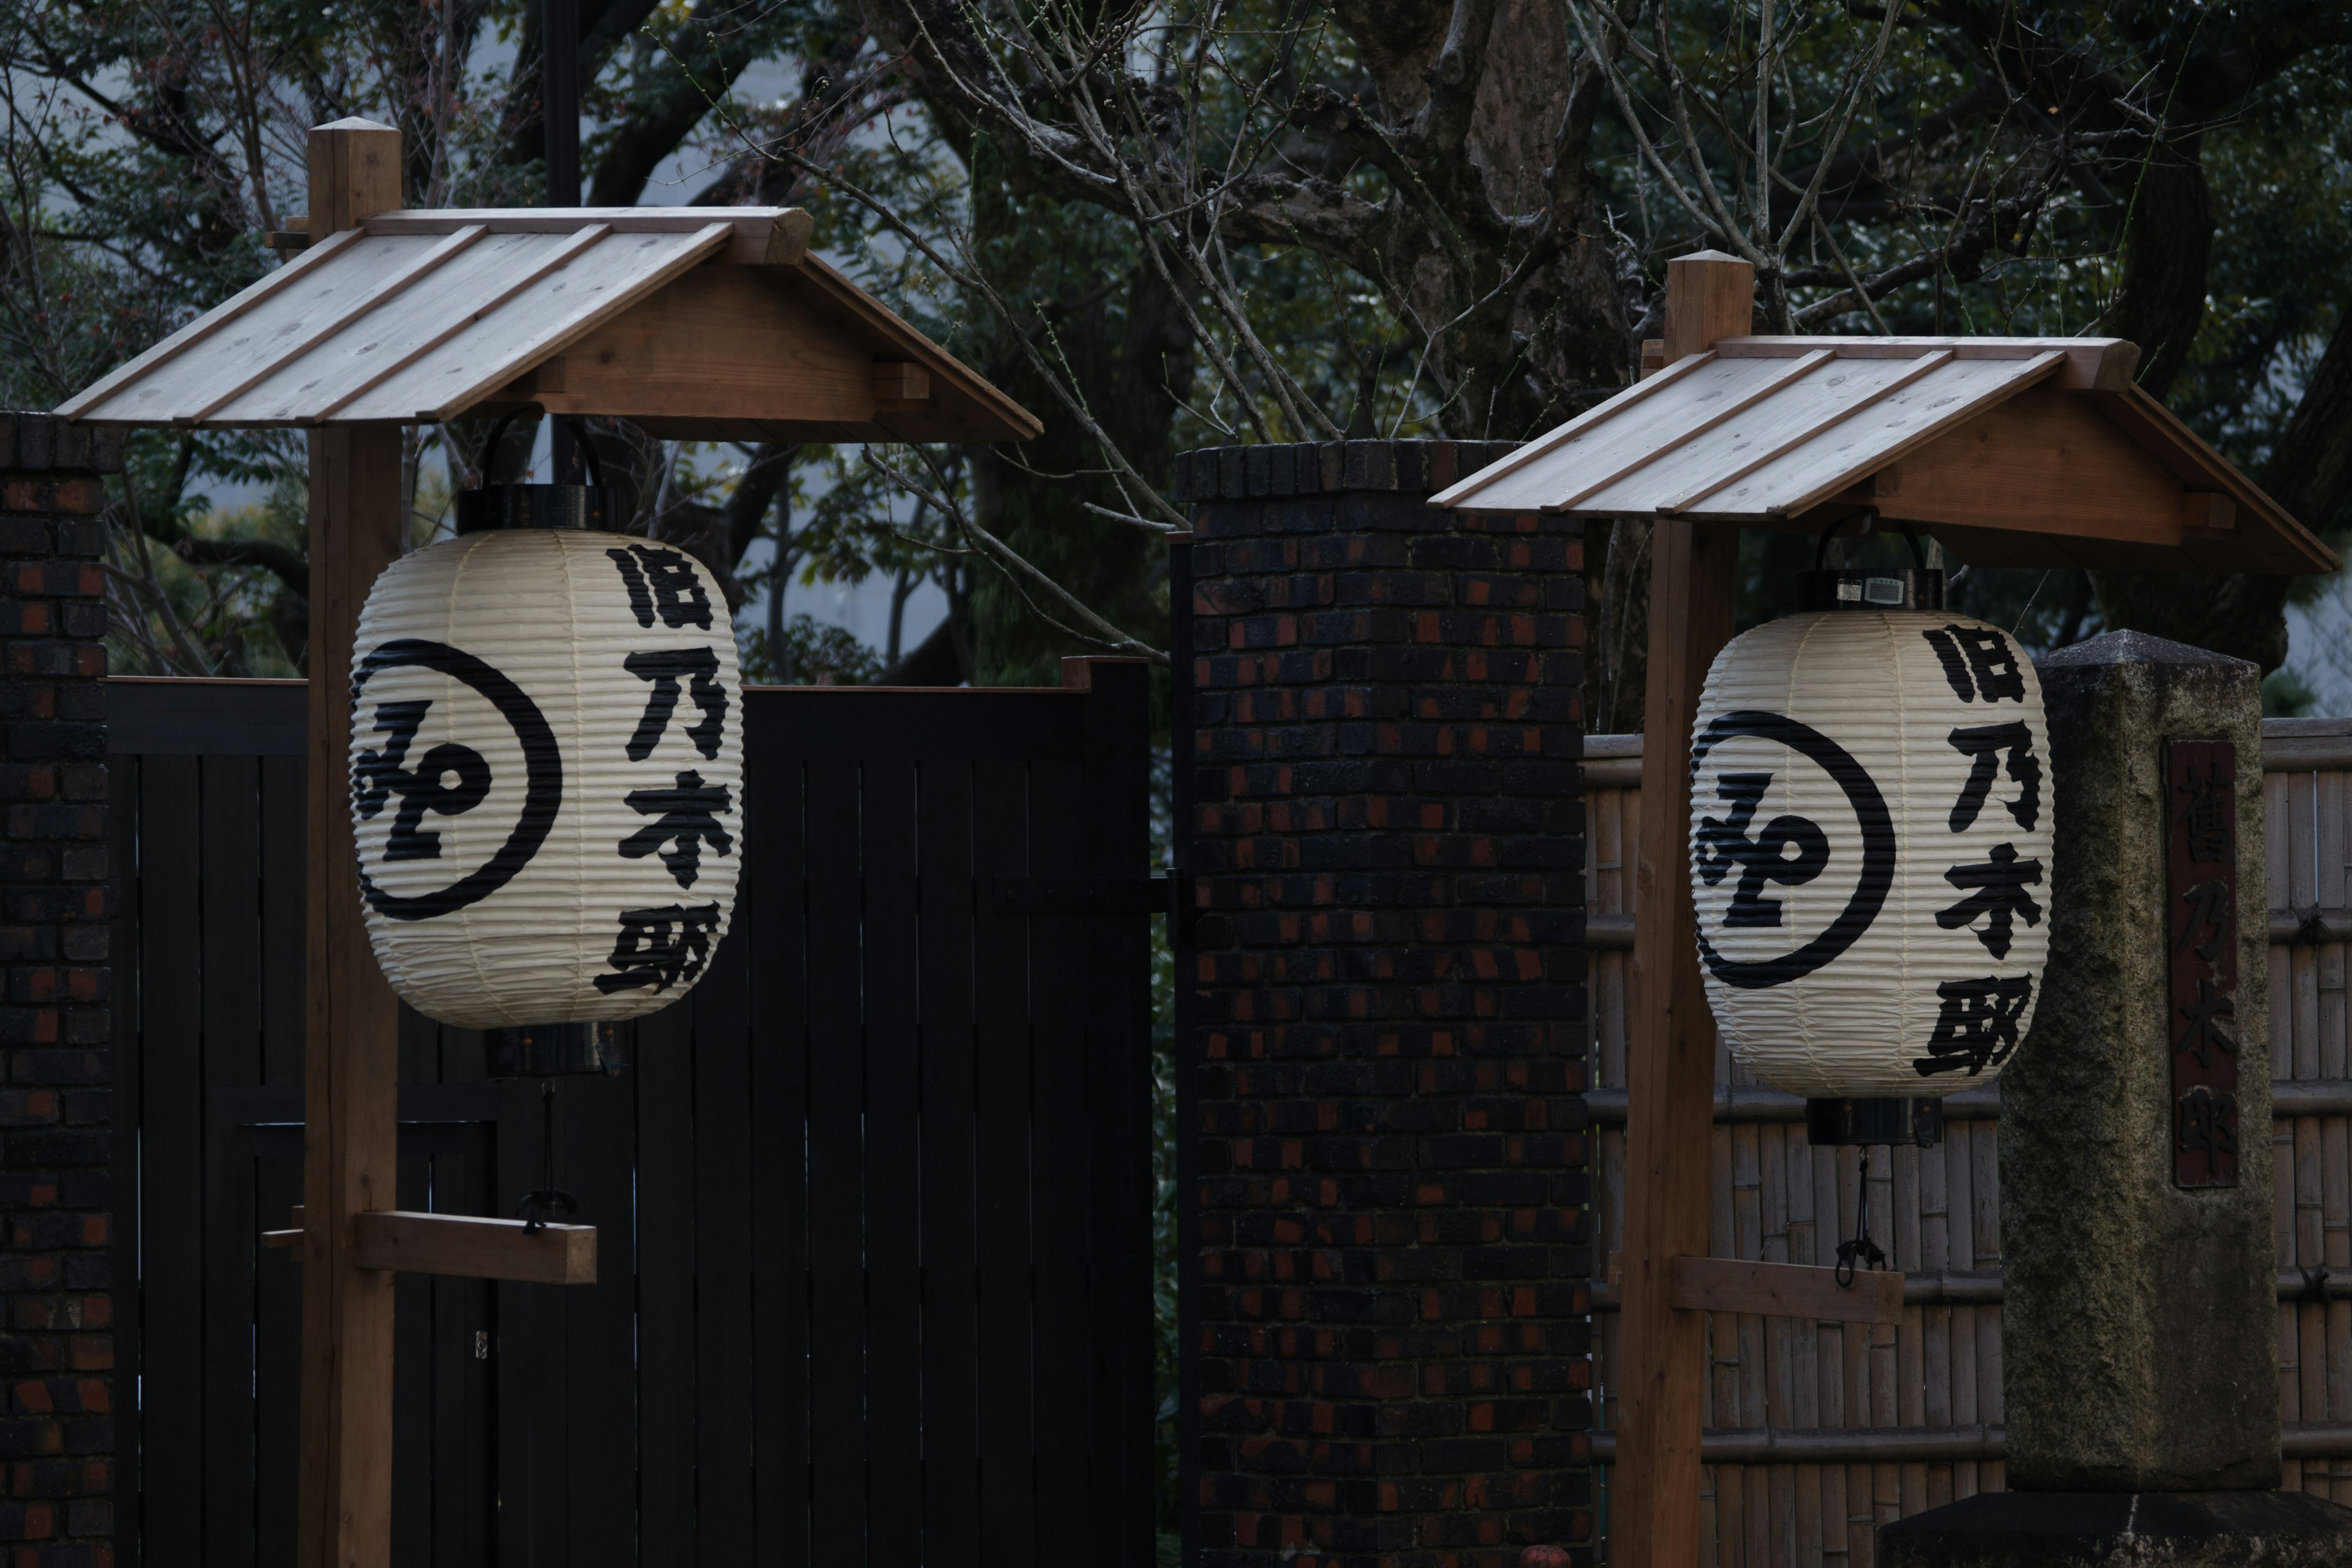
pixel 664 669
pixel 542 784
pixel 1724 844
pixel 1996 895
pixel 685 818
pixel 1976 1024
pixel 1986 743
pixel 419 787
pixel 1978 662
pixel 659 948
pixel 662 583
pixel 1873 822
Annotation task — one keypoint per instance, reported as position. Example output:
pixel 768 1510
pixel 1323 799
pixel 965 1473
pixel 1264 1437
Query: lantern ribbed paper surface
pixel 546 775
pixel 1871 850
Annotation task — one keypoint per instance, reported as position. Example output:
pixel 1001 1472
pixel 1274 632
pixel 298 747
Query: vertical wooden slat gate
pixel 873 1202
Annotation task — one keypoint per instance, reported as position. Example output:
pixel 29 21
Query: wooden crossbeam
pixel 1779 1289
pixel 469 1246
pixel 476 1249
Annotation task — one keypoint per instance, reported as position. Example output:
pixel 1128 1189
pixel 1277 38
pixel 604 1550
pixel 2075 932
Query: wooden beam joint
pixel 900 387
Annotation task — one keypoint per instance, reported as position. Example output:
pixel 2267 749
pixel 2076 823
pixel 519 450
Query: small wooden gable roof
pixel 2012 451
pixel 713 323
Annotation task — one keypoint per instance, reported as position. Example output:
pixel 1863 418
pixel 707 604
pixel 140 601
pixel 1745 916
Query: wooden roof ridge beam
pixel 206 325
pixel 1551 441
pixel 1798 369
pixel 1925 364
pixel 2093 364
pixel 771 237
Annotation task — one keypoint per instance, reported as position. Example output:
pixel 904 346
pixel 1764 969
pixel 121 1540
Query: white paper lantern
pixel 546 775
pixel 1871 850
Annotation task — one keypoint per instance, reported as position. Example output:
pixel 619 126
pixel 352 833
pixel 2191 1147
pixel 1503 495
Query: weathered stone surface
pixel 2124 1530
pixel 2139 1326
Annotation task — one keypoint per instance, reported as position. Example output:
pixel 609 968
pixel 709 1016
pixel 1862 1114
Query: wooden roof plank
pixel 1542 445
pixel 769 236
pixel 564 220
pixel 1642 432
pixel 87 401
pixel 2093 364
pixel 552 258
pixel 422 316
pixel 334 371
pixel 576 281
pixel 1765 433
pixel 1794 371
pixel 536 323
pixel 274 326
pixel 1878 436
pixel 365 302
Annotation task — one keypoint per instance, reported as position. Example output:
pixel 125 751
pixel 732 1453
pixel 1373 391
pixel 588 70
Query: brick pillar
pixel 1388 1322
pixel 56 1344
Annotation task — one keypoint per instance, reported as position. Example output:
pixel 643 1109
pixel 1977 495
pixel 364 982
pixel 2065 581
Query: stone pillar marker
pixel 2139 1320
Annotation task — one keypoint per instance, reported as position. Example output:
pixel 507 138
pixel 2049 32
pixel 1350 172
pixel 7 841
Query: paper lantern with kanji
pixel 546 775
pixel 1871 850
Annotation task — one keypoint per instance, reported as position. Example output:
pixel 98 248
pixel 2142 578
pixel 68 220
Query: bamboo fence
pixel 1819 1432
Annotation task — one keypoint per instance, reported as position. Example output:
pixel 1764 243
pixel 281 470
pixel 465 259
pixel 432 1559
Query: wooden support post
pixel 1670 1069
pixel 351 1051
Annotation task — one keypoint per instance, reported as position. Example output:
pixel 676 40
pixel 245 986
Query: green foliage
pixel 815 653
pixel 2284 695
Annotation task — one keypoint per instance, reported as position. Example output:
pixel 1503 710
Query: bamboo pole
pixel 351 1051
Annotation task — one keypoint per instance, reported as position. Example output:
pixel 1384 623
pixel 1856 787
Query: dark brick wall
pixel 57 1346
pixel 1390 1147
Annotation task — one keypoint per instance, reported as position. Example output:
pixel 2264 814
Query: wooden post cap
pixel 1709 295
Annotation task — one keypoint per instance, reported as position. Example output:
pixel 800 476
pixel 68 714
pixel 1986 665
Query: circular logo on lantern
pixel 1756 862
pixel 419 792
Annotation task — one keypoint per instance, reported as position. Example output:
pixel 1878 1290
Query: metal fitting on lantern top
pixel 490 506
pixel 1915 587
pixel 1850 1123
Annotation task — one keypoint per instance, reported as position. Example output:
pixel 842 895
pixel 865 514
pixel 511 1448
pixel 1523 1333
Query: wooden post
pixel 1670 1067
pixel 351 1051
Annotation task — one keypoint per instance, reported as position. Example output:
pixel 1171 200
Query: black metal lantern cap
pixel 1861 1122
pixel 490 506
pixel 547 1050
pixel 533 506
pixel 1918 587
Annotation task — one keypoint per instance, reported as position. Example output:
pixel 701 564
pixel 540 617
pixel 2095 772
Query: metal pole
pixel 559 99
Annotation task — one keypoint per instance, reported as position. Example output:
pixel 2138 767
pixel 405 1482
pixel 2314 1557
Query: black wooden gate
pixel 874 1201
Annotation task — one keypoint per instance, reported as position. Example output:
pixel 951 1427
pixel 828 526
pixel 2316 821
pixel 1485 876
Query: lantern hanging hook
pixel 532 1210
pixel 1860 1252
pixel 1870 519
pixel 579 430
